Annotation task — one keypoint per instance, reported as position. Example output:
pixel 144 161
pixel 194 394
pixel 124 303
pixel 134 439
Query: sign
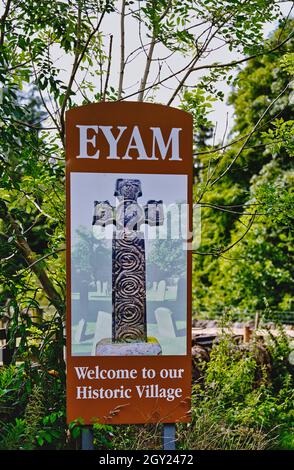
pixel 129 214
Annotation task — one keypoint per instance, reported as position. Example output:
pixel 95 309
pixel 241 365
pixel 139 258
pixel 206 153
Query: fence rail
pixel 285 316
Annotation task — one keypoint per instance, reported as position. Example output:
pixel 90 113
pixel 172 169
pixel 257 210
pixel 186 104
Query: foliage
pixel 37 39
pixel 207 432
pixel 12 434
pixel 33 416
pixel 168 256
pixel 28 411
pixel 280 137
pixel 256 193
pixel 238 407
pixel 233 410
pixel 11 394
pixel 199 104
pixel 36 93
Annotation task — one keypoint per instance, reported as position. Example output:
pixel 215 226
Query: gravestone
pixel 102 329
pixel 161 288
pixel 164 322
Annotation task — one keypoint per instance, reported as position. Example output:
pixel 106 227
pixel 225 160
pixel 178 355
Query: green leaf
pixel 40 441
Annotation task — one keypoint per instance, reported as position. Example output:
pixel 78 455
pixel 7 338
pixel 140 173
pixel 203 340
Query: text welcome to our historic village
pixel 148 389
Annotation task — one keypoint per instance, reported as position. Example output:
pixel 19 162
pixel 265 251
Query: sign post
pixel 169 436
pixel 129 265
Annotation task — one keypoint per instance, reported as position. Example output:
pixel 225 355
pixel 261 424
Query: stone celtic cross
pixel 128 257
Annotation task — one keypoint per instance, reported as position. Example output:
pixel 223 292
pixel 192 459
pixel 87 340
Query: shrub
pixel 240 403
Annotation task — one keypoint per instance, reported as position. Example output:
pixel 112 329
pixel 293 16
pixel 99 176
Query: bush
pixel 241 406
pixel 241 402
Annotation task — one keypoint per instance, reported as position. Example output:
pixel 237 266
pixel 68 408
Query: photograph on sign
pixel 128 264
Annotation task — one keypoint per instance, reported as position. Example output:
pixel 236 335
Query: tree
pixel 167 259
pixel 256 192
pixel 35 34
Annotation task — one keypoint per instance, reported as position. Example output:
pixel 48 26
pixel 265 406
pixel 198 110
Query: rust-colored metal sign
pixel 129 219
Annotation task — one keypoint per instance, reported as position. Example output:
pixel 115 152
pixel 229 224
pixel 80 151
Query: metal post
pixel 87 438
pixel 169 436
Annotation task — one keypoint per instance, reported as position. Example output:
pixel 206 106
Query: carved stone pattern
pixel 103 213
pixel 129 287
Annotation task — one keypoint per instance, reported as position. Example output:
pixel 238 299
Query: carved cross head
pixel 128 189
pixel 129 213
pixel 103 213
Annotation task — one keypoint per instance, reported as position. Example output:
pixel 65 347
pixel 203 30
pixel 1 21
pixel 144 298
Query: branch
pixel 205 44
pixel 36 204
pixel 149 56
pixel 250 135
pixel 122 48
pixel 209 177
pixel 72 76
pixel 76 64
pixel 147 69
pixel 43 257
pixel 165 12
pixel 245 59
pixel 51 114
pixel 211 66
pixel 223 147
pixel 31 126
pixel 156 78
pixel 219 252
pixel 108 68
pixel 246 204
pixel 224 209
pixel 3 21
pixel 32 262
pixel 198 55
pixel 286 21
